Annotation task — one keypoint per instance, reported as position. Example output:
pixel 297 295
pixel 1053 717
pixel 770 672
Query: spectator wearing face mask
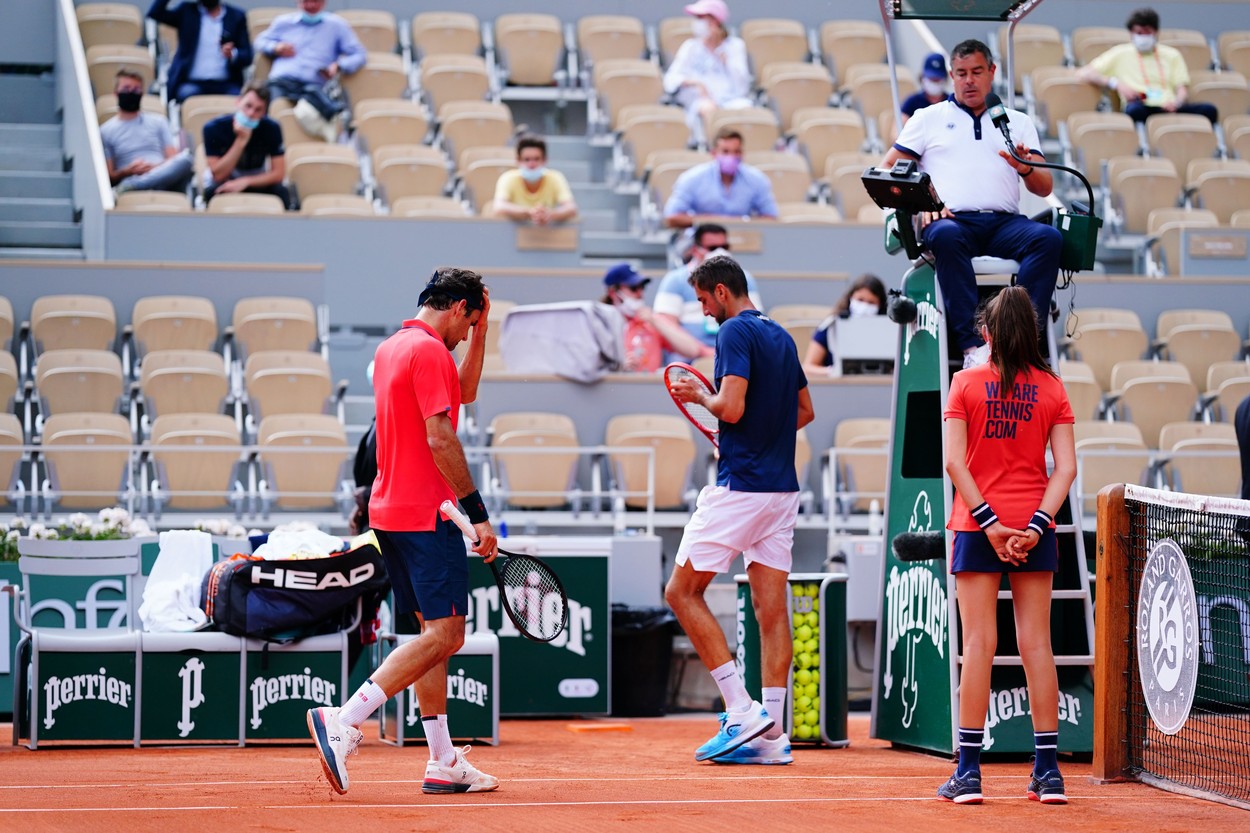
pixel 723 187
pixel 213 47
pixel 139 148
pixel 932 86
pixel 644 346
pixel 1149 77
pixel 533 192
pixel 678 315
pixel 710 70
pixel 866 296
pixel 244 151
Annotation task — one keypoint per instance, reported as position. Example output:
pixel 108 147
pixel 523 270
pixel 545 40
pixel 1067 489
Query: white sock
pixel 731 688
pixel 363 703
pixel 775 703
pixel 439 738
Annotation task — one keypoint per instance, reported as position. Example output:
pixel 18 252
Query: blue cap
pixel 934 66
pixel 622 274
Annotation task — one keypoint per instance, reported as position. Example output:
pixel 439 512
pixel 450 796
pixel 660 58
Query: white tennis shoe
pixel 335 742
pixel 458 777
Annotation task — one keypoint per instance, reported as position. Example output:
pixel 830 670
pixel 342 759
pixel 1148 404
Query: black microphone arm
pixel 998 115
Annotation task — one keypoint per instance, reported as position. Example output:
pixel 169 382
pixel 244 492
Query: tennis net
pixel 1174 641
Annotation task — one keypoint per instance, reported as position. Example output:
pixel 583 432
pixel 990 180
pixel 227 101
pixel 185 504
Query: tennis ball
pixel 812 717
pixel 812 620
pixel 803 677
pixel 804 660
pixel 812 590
pixel 811 689
pixel 800 619
pixel 797 590
pixel 803 633
pixel 799 647
pixel 816 704
pixel 803 731
pixel 816 675
pixel 815 605
pixel 812 646
pixel 802 704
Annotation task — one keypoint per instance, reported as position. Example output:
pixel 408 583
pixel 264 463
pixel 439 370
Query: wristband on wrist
pixel 984 516
pixel 1030 173
pixel 474 507
pixel 1040 522
pixel 1112 83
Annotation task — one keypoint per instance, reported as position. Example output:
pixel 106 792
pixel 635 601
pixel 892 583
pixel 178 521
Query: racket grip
pixel 461 520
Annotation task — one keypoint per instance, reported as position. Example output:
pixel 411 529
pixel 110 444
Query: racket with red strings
pixel 702 418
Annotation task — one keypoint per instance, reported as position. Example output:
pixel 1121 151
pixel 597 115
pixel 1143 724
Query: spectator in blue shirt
pixel 310 48
pixel 723 187
pixel 213 47
pixel 932 86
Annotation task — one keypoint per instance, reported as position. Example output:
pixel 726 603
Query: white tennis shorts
pixel 760 525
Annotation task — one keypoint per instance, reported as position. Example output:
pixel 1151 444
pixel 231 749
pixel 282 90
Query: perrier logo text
pixel 269 690
pixel 61 691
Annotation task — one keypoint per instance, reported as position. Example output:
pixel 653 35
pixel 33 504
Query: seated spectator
pixel 866 296
pixel 213 47
pixel 722 187
pixel 139 148
pixel 244 151
pixel 644 346
pixel 932 86
pixel 1149 77
pixel 678 315
pixel 710 70
pixel 534 192
pixel 310 48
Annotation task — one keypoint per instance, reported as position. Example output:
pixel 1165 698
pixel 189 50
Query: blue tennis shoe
pixel 736 728
pixel 760 751
pixel 962 789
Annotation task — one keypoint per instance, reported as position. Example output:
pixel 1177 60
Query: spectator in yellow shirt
pixel 1149 77
pixel 533 192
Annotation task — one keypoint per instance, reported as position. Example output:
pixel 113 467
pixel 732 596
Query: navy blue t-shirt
pixel 916 101
pixel 757 451
pixel 266 141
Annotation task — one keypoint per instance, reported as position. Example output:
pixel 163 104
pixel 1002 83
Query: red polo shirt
pixel 414 378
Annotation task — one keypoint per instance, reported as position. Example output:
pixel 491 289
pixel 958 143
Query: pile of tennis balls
pixel 805 617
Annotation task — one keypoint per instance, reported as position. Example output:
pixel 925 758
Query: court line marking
pixel 516 804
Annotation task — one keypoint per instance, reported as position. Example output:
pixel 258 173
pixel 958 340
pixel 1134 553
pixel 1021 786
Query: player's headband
pixel 433 288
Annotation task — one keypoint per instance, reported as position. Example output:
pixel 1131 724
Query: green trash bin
pixel 818 680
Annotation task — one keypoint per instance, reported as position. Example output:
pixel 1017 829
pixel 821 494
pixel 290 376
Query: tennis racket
pixel 529 590
pixel 693 411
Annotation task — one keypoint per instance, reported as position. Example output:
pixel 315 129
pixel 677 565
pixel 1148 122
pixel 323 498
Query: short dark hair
pixel 448 285
pixel 127 72
pixel 720 270
pixel 1143 17
pixel 704 229
pixel 727 133
pixel 261 91
pixel 530 141
pixel 970 47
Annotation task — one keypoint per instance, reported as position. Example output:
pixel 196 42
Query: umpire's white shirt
pixel 960 153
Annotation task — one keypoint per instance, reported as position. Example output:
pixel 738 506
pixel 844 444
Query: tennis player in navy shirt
pixel 761 401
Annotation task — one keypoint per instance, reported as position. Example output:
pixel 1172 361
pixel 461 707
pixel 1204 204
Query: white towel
pixel 171 597
pixel 298 543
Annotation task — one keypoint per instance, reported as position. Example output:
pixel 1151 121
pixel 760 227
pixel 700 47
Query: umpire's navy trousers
pixel 954 242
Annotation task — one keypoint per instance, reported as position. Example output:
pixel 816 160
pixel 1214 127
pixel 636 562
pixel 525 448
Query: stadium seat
pixel 104 60
pixel 479 178
pixel 621 83
pixel 382 76
pixel 518 479
pixel 856 467
pixel 453 77
pixel 1218 475
pixel 61 322
pixel 758 126
pixel 303 462
pixel 1180 137
pixel 376 30
pixel 645 128
pixel 845 43
pixel 106 106
pixel 1103 338
pixel 317 168
pixel 868 88
pixel 788 172
pixel 1163 230
pixel 799 320
pixel 76 479
pixel 1234 50
pixel 1058 93
pixel 283 112
pixel 173 322
pixel 286 382
pixel 605 37
pixel 109 24
pixel 1192 45
pixel 792 87
pixel 808 213
pixel 1108 452
pixel 163 202
pixel 12 459
pixel 198 110
pixel 672 438
pixel 671 33
pixel 439 33
pixel 409 171
pixel 79 380
pixel 6 322
pixel 182 382
pixel 336 205
pixel 530 48
pixel 1140 185
pixel 1036 45
pixel 1152 394
pixel 1226 90
pixel 8 384
pixel 821 132
pixel 1197 338
pixel 199 479
pixel 466 124
pixel 1088 42
pixel 1084 393
pixel 1240 219
pixel 843 173
pixel 430 208
pixel 245 203
pixel 259 18
pixel 1097 136
pixel 386 121
pixel 771 40
pixel 272 323
pixel 1222 190
pixel 1228 383
pixel 664 166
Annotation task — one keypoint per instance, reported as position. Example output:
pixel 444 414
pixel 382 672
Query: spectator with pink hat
pixel 710 70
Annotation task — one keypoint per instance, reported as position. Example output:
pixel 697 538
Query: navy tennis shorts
pixel 972 553
pixel 429 571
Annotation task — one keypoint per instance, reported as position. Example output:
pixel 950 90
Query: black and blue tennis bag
pixel 287 600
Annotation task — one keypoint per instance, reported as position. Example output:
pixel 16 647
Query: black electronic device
pixel 903 187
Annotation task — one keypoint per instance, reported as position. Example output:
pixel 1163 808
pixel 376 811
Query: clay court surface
pixel 555 779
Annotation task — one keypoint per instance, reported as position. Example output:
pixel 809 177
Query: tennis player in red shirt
pixel 418 390
pixel 999 418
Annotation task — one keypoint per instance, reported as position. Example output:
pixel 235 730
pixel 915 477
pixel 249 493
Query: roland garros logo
pixel 1167 636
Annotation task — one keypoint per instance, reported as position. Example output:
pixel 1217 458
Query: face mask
pixel 311 19
pixel 728 163
pixel 629 305
pixel 1144 43
pixel 243 121
pixel 932 88
pixel 700 28
pixel 128 102
pixel 859 309
pixel 532 175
